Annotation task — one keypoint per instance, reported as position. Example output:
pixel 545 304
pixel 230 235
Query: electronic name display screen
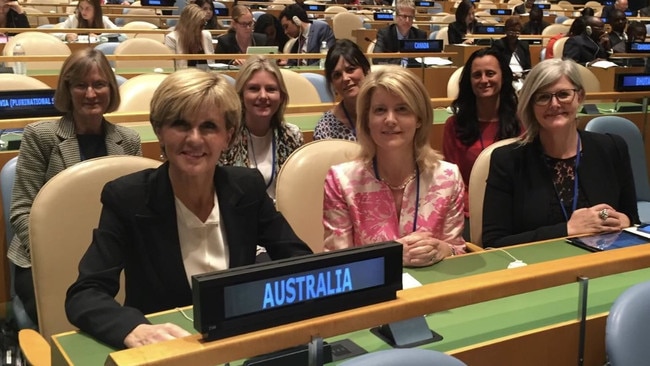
pixel 489 29
pixel 543 6
pixel 640 47
pixel 424 3
pixel 221 12
pixel 500 11
pixel 27 104
pixel 383 16
pixel 630 13
pixel 249 298
pixel 632 82
pixel 315 7
pixel 158 2
pixel 420 45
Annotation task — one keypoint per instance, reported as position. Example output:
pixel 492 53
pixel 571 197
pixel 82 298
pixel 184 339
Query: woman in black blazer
pixel 464 24
pixel 512 49
pixel 161 226
pixel 557 181
pixel 240 35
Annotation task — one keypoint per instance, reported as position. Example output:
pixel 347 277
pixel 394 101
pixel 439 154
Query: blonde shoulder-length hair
pixel 404 84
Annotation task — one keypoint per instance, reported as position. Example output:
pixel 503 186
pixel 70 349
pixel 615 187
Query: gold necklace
pixel 400 187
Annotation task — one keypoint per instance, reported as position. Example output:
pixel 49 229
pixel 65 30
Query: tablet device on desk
pixel 262 50
pixel 600 242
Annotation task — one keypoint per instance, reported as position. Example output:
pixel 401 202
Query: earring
pixel 163 154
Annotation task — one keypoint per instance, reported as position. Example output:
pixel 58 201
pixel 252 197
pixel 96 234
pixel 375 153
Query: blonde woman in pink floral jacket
pixel 398 189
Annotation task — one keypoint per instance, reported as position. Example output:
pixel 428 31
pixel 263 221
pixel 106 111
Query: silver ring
pixel 603 214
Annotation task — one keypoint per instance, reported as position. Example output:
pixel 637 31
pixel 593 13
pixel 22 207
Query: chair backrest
pixel 299 189
pixel 553 29
pixel 453 83
pixel 589 80
pixel 136 92
pixel 20 82
pixel 108 48
pixel 287 46
pixel 405 356
pixel 630 133
pixel 627 331
pixel 37 43
pixel 330 11
pixel 344 23
pixel 61 222
pixel 140 46
pixel 301 91
pixel 476 190
pixel 139 24
pixel 558 47
pixel 143 14
pixel 320 83
pixel 443 34
pixel 7 176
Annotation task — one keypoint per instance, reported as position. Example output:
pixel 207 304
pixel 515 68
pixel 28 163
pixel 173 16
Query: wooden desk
pixel 467 295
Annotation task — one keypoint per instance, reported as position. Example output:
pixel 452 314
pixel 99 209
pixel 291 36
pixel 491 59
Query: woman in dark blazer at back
pixel 240 35
pixel 514 51
pixel 464 24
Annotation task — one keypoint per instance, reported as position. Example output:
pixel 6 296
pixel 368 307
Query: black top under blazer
pixel 138 233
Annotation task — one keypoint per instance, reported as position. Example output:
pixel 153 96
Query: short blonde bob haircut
pixel 74 70
pixel 405 85
pixel 541 76
pixel 259 63
pixel 188 91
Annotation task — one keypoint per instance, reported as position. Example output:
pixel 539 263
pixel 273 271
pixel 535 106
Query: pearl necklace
pixel 400 187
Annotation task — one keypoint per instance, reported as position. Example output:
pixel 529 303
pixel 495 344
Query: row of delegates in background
pixel 556 181
pixel 210 18
pixel 189 37
pixel 398 189
pixel 270 25
pixel 87 15
pixel 85 92
pixel 388 38
pixel 535 23
pixel 240 35
pixel 345 68
pixel 464 24
pixel 12 15
pixel 189 216
pixel 484 112
pixel 263 139
pixel 309 35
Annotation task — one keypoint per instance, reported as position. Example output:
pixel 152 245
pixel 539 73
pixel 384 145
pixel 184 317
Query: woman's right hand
pixel 590 220
pixel 153 333
pixel 71 37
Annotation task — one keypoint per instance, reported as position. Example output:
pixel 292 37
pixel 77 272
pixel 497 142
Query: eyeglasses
pixel 406 17
pixel 97 86
pixel 246 24
pixel 563 96
pixel 513 33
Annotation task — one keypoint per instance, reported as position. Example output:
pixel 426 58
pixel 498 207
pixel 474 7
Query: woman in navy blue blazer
pixel 189 216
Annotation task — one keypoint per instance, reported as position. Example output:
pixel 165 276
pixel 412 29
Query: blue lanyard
pixel 273 155
pixel 575 185
pixel 352 123
pixel 417 190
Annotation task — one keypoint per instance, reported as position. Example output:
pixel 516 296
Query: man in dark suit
pixel 618 4
pixel 593 44
pixel 388 38
pixel 310 35
pixel 617 37
pixel 535 23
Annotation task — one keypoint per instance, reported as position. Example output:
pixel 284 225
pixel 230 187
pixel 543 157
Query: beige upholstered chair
pixel 299 189
pixel 38 43
pixel 552 30
pixel 139 24
pixel 143 46
pixel 452 83
pixel 589 81
pixel 477 179
pixel 289 45
pixel 136 93
pixel 558 47
pixel 143 14
pixel 20 82
pixel 443 34
pixel 63 216
pixel 330 11
pixel 344 23
pixel 301 91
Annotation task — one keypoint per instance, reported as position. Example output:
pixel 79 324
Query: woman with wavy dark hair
pixel 464 24
pixel 270 25
pixel 484 112
pixel 210 19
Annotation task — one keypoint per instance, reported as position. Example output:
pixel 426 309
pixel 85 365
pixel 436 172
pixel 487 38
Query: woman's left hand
pixel 422 249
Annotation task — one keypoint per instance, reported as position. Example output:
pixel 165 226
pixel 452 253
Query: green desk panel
pixel 460 327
